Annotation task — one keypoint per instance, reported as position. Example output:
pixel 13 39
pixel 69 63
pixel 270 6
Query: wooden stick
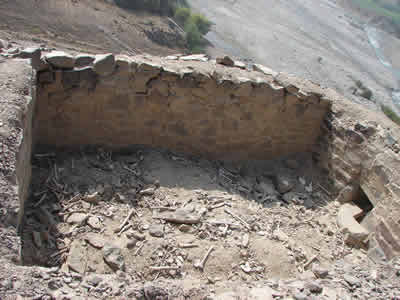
pixel 131 212
pixel 187 245
pixel 309 261
pixel 164 268
pixel 237 218
pixel 164 208
pixel 138 249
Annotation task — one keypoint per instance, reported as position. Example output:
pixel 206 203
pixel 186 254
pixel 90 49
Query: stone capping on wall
pixel 184 103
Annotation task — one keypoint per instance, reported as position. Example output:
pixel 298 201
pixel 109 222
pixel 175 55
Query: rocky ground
pixel 151 223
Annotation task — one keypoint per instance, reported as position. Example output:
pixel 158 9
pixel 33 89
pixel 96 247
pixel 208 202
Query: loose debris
pixel 155 215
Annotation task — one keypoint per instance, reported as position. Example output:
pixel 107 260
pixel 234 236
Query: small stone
pixel 131 244
pixel 156 230
pixel 113 257
pixel 284 184
pixel 314 287
pixel 95 223
pixel 76 218
pixel 185 228
pixel 94 280
pixel 246 267
pixel 226 61
pixel 83 60
pixel 95 240
pixel 136 235
pixel 319 271
pixel 104 64
pixel 239 64
pixel 60 59
pixel 266 187
pixel 300 296
pixel 351 280
pixel 92 198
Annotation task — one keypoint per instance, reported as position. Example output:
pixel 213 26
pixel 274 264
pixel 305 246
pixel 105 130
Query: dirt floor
pixel 258 221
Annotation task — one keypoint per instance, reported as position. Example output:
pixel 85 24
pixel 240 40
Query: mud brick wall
pixel 187 106
pixel 360 151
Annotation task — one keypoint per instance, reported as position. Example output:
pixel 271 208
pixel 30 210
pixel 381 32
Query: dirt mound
pixel 89 26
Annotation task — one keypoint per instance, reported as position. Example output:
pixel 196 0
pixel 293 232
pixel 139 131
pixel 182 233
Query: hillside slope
pixel 88 26
pixel 317 40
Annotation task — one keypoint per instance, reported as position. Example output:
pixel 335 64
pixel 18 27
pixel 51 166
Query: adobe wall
pixel 17 100
pixel 196 107
pixel 183 105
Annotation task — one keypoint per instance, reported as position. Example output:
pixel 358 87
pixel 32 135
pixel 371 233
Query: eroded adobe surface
pixel 188 106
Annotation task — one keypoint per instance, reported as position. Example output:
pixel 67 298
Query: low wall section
pixel 188 106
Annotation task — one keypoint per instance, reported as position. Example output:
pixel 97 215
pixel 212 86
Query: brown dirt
pixel 282 237
pixel 84 25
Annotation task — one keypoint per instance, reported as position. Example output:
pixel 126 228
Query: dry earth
pixel 159 209
pixel 87 26
pixel 320 41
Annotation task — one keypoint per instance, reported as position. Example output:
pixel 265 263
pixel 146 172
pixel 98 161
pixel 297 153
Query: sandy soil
pixel 314 40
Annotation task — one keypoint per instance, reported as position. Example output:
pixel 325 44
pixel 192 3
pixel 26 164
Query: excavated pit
pixel 188 156
pixel 234 167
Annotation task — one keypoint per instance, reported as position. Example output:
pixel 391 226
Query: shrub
pixel 182 15
pixel 201 22
pixel 390 114
pixel 193 35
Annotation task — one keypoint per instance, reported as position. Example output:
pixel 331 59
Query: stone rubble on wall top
pixel 60 59
pixel 104 64
pixel 198 66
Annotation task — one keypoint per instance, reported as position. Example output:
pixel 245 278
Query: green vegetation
pixel 390 114
pixel 195 26
pixel 162 7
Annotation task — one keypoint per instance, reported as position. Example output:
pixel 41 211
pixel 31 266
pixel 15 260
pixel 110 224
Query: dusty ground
pixel 87 26
pixel 320 41
pixel 257 234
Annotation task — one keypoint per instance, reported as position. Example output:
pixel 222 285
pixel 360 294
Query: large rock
pixel 60 60
pixel 355 234
pixel 226 61
pixel 34 53
pixel 104 64
pixel 113 257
